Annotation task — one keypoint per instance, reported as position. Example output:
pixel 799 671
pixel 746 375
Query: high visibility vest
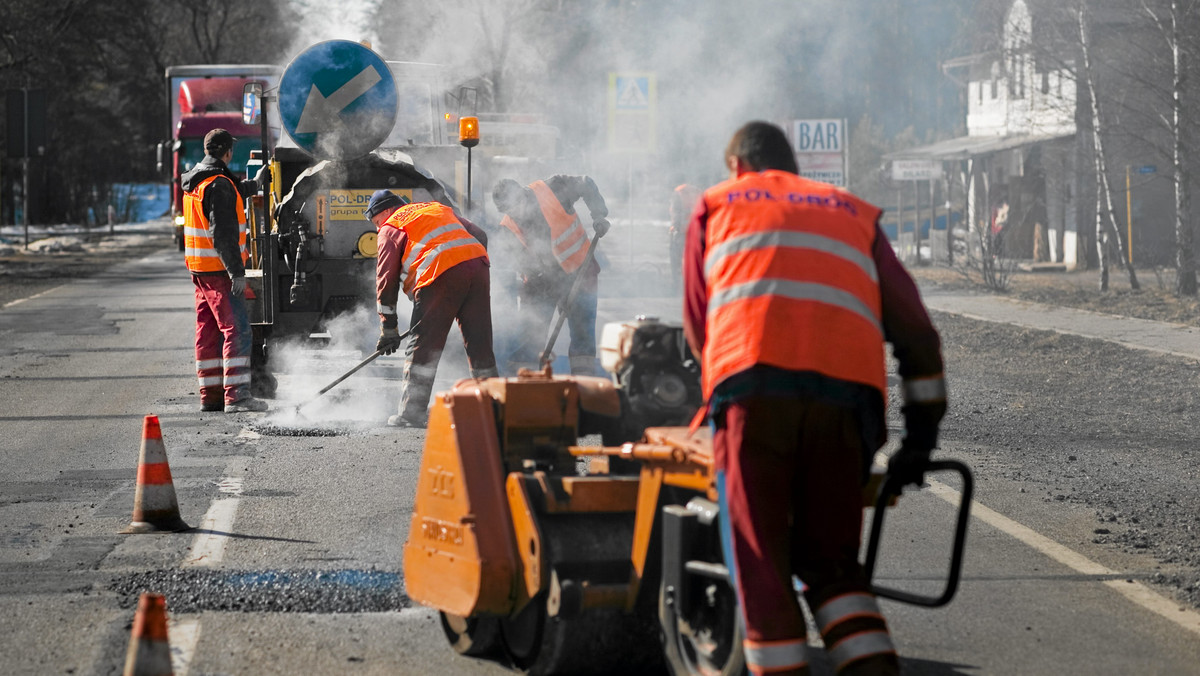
pixel 791 281
pixel 568 239
pixel 436 243
pixel 199 252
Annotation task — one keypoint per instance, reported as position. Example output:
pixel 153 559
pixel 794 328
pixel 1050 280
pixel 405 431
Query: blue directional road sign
pixel 337 100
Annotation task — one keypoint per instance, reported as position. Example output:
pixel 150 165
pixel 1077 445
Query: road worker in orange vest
pixel 214 229
pixel 790 292
pixel 439 260
pixel 552 250
pixel 683 202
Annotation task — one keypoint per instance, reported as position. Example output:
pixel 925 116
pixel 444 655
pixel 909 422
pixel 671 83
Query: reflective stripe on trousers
pixel 223 340
pixel 764 657
pixel 853 629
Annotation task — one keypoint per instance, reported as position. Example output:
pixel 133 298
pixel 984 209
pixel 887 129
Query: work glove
pixel 263 177
pixel 238 286
pixel 601 226
pixel 921 422
pixel 389 340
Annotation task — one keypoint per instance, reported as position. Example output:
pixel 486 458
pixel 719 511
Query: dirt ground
pixel 1081 289
pixel 1081 423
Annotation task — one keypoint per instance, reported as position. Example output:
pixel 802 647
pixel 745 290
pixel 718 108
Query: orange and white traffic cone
pixel 149 651
pixel 155 509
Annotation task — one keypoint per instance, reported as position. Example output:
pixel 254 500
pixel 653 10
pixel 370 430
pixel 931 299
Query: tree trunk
pixel 1185 260
pixel 1105 216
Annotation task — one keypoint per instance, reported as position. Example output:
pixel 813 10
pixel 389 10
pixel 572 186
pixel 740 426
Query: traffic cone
pixel 155 509
pixel 149 651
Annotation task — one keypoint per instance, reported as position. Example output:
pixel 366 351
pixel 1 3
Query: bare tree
pixel 1106 222
pixel 1169 25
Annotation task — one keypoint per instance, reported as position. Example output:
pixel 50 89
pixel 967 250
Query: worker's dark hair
pixel 505 193
pixel 217 142
pixel 762 145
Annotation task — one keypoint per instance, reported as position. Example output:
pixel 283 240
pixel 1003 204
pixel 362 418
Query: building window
pixel 1045 82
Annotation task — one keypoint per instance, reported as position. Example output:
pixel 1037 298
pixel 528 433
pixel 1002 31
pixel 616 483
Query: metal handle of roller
pixel 891 488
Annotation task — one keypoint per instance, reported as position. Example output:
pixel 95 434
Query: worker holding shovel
pixel 439 260
pixel 555 257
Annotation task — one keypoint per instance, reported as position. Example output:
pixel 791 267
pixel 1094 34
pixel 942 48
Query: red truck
pixel 201 98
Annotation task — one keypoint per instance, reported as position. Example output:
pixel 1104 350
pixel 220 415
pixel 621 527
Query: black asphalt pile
pixel 268 591
pixel 277 429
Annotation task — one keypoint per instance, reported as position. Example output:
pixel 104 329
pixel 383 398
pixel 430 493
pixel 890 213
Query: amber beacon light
pixel 468 131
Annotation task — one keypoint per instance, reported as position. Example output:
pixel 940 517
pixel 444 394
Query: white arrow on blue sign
pixel 337 100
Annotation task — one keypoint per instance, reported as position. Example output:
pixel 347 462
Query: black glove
pixel 601 226
pixel 389 340
pixel 263 177
pixel 238 286
pixel 920 438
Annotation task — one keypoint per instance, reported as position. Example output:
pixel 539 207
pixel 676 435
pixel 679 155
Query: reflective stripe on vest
pixel 775 655
pixel 436 243
pixel 199 252
pixel 568 239
pixel 792 281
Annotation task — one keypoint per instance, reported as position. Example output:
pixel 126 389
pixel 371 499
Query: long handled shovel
pixel 373 356
pixel 565 303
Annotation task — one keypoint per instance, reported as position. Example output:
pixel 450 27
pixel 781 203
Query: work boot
pixel 401 421
pixel 246 405
pixel 211 406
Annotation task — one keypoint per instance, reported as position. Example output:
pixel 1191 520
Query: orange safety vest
pixel 436 243
pixel 199 252
pixel 568 240
pixel 791 280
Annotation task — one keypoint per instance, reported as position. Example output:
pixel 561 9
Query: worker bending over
pixel 553 249
pixel 214 237
pixel 440 261
pixel 790 290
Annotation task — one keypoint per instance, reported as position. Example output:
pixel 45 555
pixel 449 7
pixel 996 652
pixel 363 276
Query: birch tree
pixel 1173 35
pixel 1107 233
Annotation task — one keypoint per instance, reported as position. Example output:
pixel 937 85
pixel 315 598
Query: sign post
pixel 338 100
pixel 632 122
pixel 917 171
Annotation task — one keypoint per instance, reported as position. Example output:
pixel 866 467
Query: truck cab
pixel 202 98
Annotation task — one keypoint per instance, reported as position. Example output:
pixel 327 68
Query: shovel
pixel 565 303
pixel 372 357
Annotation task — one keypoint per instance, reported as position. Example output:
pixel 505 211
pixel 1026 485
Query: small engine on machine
pixel 657 375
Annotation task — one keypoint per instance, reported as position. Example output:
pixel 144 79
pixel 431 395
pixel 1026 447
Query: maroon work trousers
pixel 793 496
pixel 223 341
pixel 462 292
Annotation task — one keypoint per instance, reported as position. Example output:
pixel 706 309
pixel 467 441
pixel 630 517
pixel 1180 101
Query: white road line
pixel 36 295
pixel 1131 589
pixel 208 548
pixel 183 636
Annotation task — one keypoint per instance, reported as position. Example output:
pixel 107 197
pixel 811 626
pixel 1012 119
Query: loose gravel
pixel 1085 422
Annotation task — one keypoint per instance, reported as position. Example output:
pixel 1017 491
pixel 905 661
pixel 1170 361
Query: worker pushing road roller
pixel 674 546
pixel 560 558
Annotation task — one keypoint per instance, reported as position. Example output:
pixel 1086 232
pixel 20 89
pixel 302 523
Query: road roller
pixel 569 524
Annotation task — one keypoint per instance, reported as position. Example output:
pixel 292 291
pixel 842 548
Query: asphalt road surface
pixel 293 565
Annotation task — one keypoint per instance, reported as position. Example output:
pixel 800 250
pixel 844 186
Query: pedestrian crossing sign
pixel 633 93
pixel 631 112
